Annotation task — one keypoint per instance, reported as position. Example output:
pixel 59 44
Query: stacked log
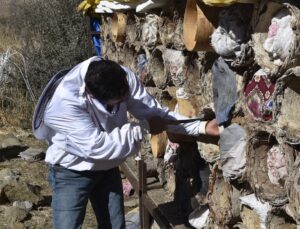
pixel 184 75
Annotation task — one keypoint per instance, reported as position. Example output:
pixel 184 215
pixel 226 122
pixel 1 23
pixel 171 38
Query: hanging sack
pixel 221 3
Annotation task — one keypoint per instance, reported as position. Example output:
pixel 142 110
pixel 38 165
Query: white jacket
pixel 83 135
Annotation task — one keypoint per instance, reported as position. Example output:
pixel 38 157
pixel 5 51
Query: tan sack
pixel 226 2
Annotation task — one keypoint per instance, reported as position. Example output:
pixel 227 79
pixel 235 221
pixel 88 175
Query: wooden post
pixel 90 37
pixel 142 176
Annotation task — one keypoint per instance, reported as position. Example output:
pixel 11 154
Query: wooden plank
pixel 90 43
pixel 154 200
pixel 159 218
pixel 142 177
pixel 130 174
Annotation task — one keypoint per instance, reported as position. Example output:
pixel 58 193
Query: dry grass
pixel 16 95
pixel 38 38
pixel 8 39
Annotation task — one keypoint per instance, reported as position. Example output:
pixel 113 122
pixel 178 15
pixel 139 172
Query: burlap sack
pixel 157 67
pixel 150 31
pixel 250 219
pixel 287 104
pixel 167 28
pixel 105 28
pixel 109 50
pixel 257 169
pixel 178 35
pixel 279 219
pixel 133 31
pixel 261 21
pixel 174 61
pixel 209 152
pixel 292 187
pixel 126 55
pixel 193 77
pixel 220 3
pixel 223 200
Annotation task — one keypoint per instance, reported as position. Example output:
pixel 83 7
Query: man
pixel 85 123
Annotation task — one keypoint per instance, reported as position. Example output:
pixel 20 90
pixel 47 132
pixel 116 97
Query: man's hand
pixel 212 128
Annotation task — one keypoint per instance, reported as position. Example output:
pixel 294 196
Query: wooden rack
pixel 137 176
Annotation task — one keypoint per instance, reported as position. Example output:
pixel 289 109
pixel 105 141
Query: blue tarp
pixel 96 27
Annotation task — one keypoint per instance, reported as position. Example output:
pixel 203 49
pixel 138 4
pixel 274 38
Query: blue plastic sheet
pixel 95 26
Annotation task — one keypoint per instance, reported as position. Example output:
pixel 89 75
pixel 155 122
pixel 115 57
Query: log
pixel 118 27
pixel 158 144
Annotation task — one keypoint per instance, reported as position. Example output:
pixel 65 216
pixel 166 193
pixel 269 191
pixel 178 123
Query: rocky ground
pixel 25 195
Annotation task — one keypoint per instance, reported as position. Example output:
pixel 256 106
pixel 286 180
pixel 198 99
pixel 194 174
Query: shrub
pixel 51 36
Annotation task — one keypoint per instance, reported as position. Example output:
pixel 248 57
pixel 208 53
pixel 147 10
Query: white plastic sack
pixel 260 208
pixel 199 217
pixel 280 36
pixel 276 164
pixel 150 30
pixel 233 151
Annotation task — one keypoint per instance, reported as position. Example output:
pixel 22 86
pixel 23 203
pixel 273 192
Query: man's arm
pixel 212 128
pixel 144 106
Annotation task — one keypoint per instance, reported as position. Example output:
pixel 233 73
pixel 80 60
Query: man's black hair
pixel 106 80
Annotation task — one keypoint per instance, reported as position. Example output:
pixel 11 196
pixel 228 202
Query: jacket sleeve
pixel 81 137
pixel 144 106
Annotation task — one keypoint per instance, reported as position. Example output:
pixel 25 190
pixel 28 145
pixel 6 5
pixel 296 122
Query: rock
pixel 9 141
pixel 15 215
pixel 10 147
pixel 25 205
pixel 6 176
pixel 32 154
pixel 21 191
pixel 18 226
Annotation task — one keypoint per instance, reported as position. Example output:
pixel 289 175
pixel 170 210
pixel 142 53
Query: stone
pixel 6 176
pixel 10 147
pixel 14 214
pixel 32 154
pixel 21 191
pixel 25 205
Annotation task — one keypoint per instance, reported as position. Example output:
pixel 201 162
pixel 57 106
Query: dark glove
pixel 157 125
pixel 207 114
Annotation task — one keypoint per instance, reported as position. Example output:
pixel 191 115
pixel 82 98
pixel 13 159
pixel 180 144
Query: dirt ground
pixel 36 173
